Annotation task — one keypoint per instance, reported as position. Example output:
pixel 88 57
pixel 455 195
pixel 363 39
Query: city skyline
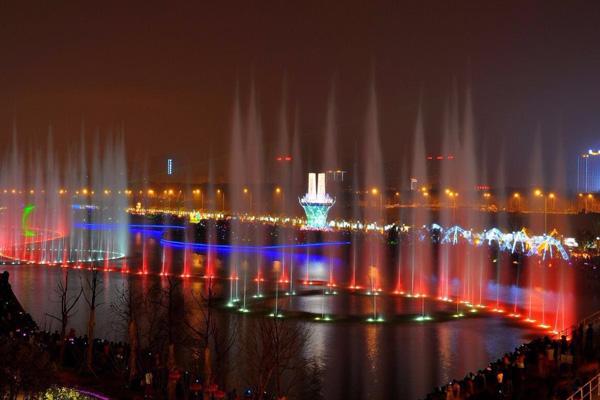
pixel 174 91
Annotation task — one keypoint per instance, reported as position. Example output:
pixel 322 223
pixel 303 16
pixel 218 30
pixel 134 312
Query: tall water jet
pixel 283 192
pixel 330 162
pixel 254 140
pixel 419 251
pixel 297 180
pixel 374 208
pixel 78 220
pixel 448 196
pixel 468 196
pixel 563 284
pixel 239 197
pixel 503 263
pixel 535 268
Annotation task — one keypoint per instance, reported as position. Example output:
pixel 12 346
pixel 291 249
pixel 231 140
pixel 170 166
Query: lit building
pixel 316 202
pixel 588 172
pixel 435 165
pixel 414 184
pixel 336 175
pixel 169 166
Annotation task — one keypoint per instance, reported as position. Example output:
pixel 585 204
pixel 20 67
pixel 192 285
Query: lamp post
pixel 539 193
pixel 222 193
pixel 248 194
pixel 425 197
pixel 376 192
pixel 487 196
pixel 279 193
pixel 198 192
pixel 552 197
pixel 517 201
pixel 453 196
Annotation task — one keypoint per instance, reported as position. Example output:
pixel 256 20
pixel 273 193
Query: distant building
pixel 336 175
pixel 414 184
pixel 588 172
pixel 435 165
pixel 169 166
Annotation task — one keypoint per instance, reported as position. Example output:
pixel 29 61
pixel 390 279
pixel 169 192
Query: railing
pixel 589 391
pixel 590 319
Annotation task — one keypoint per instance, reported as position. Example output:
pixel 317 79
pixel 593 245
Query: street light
pixel 377 192
pixel 198 192
pixel 248 193
pixel 453 196
pixel 487 197
pixel 517 200
pixel 278 193
pixel 552 197
pixel 222 193
pixel 539 193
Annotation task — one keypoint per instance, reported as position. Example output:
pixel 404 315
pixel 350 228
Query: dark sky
pixel 167 72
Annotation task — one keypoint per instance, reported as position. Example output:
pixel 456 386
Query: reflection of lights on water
pixel 423 318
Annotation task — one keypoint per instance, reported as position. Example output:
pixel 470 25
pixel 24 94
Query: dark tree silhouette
pixel 68 301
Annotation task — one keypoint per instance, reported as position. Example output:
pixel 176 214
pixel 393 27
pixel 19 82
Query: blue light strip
pixel 204 246
pixel 107 226
pixel 155 226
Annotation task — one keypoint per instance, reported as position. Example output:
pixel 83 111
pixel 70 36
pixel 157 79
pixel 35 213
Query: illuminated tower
pixel 316 202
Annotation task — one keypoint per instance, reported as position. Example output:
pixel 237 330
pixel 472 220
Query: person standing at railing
pixel 589 343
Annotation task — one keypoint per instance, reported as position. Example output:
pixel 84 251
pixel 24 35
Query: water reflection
pixel 362 361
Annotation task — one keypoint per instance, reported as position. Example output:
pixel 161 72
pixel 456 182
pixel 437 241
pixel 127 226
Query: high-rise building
pixel 588 172
pixel 169 166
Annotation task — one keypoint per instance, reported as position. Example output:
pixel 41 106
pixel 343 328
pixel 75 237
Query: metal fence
pixel 589 391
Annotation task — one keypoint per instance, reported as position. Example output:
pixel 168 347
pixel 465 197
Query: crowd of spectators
pixel 32 361
pixel 544 368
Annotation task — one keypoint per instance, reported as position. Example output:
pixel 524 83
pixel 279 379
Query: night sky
pixel 167 73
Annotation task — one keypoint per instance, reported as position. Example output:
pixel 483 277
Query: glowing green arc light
pixel 24 219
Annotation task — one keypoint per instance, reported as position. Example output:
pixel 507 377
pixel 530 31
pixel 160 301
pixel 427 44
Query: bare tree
pixel 68 301
pixel 206 330
pixel 93 290
pixel 273 351
pixel 171 302
pixel 125 308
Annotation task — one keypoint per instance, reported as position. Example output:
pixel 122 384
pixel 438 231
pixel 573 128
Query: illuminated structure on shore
pixel 588 172
pixel 316 202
